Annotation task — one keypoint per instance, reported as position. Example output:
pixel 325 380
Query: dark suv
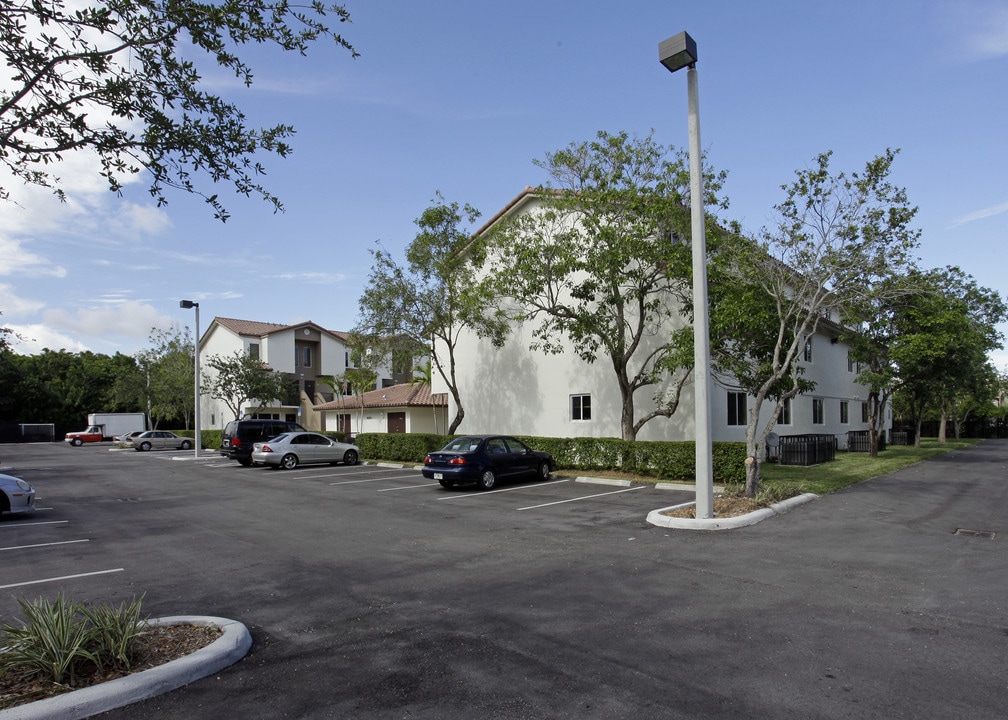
pixel 239 435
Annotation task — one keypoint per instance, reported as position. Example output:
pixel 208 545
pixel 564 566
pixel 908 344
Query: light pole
pixel 675 53
pixel 186 304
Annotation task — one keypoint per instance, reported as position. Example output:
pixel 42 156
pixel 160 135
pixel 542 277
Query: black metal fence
pixel 860 441
pixel 902 436
pixel 810 449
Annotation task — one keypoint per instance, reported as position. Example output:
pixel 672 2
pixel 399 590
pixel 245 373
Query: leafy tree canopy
pixel 121 79
pixel 603 264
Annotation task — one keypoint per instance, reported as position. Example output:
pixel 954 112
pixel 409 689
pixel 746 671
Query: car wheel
pixel 145 446
pixel 487 479
pixel 544 471
pixel 289 461
pixel 186 445
pixel 245 462
pixel 76 442
pixel 350 457
pixel 446 484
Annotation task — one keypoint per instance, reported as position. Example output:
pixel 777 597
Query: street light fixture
pixel 675 53
pixel 185 305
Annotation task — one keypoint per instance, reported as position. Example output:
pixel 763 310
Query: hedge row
pixel 665 460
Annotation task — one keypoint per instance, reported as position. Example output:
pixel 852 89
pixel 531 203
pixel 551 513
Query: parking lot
pixel 373 593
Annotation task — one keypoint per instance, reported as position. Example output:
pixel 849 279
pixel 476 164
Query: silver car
pixel 161 440
pixel 291 449
pixel 16 495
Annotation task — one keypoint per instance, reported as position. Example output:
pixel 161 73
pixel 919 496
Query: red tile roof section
pixel 404 395
pixel 259 329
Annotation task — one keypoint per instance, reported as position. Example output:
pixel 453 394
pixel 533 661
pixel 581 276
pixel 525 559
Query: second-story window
pixel 808 350
pixel 254 350
pixel 580 407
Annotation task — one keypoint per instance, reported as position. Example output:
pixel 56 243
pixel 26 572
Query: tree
pixel 121 79
pixel 239 378
pixel 423 378
pixel 439 294
pixel 604 266
pixel 946 334
pixel 835 237
pixel 172 374
pixel 361 375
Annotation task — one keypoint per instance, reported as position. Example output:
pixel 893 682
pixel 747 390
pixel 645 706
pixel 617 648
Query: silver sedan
pixel 291 449
pixel 16 495
pixel 161 439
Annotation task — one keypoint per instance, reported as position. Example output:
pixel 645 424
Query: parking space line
pixel 47 522
pixel 408 487
pixel 25 547
pixel 357 482
pixel 586 497
pixel 65 577
pixel 492 492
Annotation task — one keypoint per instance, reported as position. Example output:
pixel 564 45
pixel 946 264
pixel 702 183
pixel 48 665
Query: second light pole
pixel 675 53
pixel 185 305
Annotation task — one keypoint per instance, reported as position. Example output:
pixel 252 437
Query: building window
pixel 580 407
pixel 850 362
pixel 254 350
pixel 844 419
pixel 784 415
pixel 864 412
pixel 808 350
pixel 818 418
pixel 302 356
pixel 736 408
pixel 307 356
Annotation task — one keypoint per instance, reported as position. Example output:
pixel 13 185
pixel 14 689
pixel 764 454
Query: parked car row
pixel 481 459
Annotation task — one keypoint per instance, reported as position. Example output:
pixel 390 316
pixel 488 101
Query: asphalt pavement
pixel 369 595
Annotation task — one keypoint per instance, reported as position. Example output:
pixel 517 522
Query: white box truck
pixel 107 426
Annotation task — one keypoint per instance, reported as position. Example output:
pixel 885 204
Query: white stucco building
pixel 515 390
pixel 302 351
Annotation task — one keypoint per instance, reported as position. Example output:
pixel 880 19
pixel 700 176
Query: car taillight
pixel 427 460
pixel 235 442
pixel 266 448
pixel 457 461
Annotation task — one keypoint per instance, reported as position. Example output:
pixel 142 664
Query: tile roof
pixel 404 395
pixel 253 327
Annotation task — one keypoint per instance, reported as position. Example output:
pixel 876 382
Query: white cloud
pixel 313 277
pixel 33 339
pixel 129 319
pixel 979 28
pixel 22 262
pixel 987 212
pixel 13 306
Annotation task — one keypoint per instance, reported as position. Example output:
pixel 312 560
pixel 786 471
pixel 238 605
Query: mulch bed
pixel 724 507
pixel 157 646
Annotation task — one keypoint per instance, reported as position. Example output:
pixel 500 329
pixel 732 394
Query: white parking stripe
pixel 25 547
pixel 492 492
pixel 586 497
pixel 408 487
pixel 57 579
pixel 47 522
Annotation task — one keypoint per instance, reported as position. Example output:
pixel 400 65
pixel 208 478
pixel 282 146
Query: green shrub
pixel 59 639
pixel 658 459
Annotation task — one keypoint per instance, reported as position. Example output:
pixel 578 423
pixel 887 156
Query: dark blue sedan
pixel 485 459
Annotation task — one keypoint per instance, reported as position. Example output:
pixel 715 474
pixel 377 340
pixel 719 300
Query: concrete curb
pixel 226 650
pixel 656 517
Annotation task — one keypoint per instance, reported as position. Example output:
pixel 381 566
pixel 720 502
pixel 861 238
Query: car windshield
pixel 463 444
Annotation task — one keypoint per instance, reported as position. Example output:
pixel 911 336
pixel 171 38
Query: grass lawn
pixel 849 468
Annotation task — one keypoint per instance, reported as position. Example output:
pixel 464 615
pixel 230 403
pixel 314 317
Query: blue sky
pixel 460 97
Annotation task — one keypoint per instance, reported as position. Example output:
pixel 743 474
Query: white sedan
pixel 16 495
pixel 291 449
